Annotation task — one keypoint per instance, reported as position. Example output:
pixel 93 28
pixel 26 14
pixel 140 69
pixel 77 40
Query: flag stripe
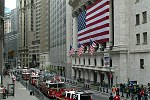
pixel 97 15
pixel 96 25
pixel 97 39
pixel 95 5
pixel 84 31
pixel 94 35
pixel 92 45
pixel 96 20
pixel 98 10
pixel 95 30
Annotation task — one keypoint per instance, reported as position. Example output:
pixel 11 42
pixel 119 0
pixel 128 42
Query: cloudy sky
pixel 10 4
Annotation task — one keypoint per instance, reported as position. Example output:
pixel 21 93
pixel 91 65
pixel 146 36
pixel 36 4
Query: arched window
pixel 102 61
pixel 89 60
pixel 95 62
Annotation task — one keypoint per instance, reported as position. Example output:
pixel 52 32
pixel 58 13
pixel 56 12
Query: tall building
pixel 2 3
pixel 14 19
pixel 11 37
pixel 7 23
pixel 34 58
pixel 11 47
pixel 44 34
pixel 139 41
pixel 125 56
pixel 58 41
pixel 26 30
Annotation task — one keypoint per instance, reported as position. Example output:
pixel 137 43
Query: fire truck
pixel 51 88
pixel 25 75
pixel 75 95
pixel 34 79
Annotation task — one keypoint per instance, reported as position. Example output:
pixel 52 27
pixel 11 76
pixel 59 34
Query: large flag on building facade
pixel 80 49
pixel 92 47
pixel 71 50
pixel 93 23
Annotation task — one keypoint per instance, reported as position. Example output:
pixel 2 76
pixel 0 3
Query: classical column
pixel 75 30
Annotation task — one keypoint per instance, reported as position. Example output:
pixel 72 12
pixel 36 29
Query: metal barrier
pixel 36 92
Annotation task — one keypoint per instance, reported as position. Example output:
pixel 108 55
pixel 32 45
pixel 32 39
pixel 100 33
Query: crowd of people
pixel 133 91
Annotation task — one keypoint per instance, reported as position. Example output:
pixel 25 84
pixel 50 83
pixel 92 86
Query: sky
pixel 11 4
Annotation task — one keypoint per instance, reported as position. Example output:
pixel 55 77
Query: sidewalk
pixel 21 93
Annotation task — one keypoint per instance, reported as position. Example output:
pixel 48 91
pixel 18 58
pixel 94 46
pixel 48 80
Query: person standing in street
pixel 111 97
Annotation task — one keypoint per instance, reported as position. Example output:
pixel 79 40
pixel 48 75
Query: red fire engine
pixel 51 88
pixel 25 75
pixel 34 79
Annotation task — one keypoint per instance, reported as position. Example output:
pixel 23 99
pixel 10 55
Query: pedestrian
pixel 117 90
pixel 114 90
pixel 7 93
pixel 4 93
pixel 139 96
pixel 111 97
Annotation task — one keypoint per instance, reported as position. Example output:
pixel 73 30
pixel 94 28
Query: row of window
pixel 144 38
pixel 102 62
pixel 144 18
pixel 95 62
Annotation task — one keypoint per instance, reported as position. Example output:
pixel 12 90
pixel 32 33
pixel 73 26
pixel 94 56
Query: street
pixel 95 95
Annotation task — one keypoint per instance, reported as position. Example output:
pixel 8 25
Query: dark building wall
pixel 1 37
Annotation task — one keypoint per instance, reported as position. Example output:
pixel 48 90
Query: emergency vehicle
pixel 51 88
pixel 25 75
pixel 34 79
pixel 74 95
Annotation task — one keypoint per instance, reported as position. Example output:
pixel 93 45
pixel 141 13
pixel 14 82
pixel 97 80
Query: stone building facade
pixel 128 42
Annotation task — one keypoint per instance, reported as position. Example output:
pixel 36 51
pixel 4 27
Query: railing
pixel 34 90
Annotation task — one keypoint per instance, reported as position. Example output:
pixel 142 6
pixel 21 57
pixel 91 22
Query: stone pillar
pixel 75 31
pixel 73 72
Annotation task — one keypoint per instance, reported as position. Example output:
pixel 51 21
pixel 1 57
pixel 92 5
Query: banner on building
pixel 106 60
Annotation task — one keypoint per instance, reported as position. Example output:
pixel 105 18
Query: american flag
pixel 93 23
pixel 80 49
pixel 92 45
pixel 71 50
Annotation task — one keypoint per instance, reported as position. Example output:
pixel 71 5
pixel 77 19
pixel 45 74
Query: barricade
pixel 35 91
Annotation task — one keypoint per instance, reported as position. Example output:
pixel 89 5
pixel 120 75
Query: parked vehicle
pixel 74 95
pixel 34 79
pixel 51 88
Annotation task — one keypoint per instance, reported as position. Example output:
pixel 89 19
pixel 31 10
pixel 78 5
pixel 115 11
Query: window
pixel 142 63
pixel 75 60
pixel 84 61
pixel 144 17
pixel 110 62
pixel 79 61
pixel 145 38
pixel 89 61
pixel 138 38
pixel 102 62
pixel 95 62
pixel 137 19
pixel 136 1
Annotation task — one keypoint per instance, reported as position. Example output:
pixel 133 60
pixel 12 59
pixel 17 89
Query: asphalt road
pixel 95 95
